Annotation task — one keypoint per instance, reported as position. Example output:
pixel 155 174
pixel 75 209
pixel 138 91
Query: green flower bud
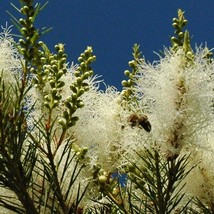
pixel 175 20
pixel 174 39
pixel 190 55
pixel 80 59
pixel 175 25
pixel 78 153
pixel 32 70
pixel 60 73
pixel 184 23
pixel 31 19
pixel 64 70
pixel 40 43
pixel 79 80
pixel 26 9
pixel 63 60
pixel 80 104
pixel 54 91
pixel 61 46
pixel 21 41
pixel 55 103
pixel 102 179
pixel 56 47
pixel 60 52
pixel 68 104
pixel 46 71
pixel 22 50
pixel 24 30
pixel 65 115
pixel 47 105
pixel 60 84
pixel 124 83
pixel 85 150
pixel 115 191
pixel 52 83
pixel 44 78
pixel 181 35
pixel 58 97
pixel 175 46
pixel 90 60
pixel 127 72
pixel 46 97
pixel 52 57
pixel 131 76
pixel 54 66
pixel 86 75
pixel 28 39
pixel 75 118
pixel 72 123
pixel 88 50
pixel 131 63
pixel 86 88
pixel 91 72
pixel 74 97
pixel 49 67
pixel 22 22
pixel 76 73
pixel 129 82
pixel 73 88
pixel 82 65
pixel 62 122
pixel 43 59
pixel 80 92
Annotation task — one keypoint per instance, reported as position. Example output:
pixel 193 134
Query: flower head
pixel 9 57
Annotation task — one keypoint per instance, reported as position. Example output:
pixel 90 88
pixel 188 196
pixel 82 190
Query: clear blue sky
pixel 111 27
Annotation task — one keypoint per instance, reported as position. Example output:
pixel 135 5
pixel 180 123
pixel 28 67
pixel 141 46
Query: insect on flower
pixel 140 121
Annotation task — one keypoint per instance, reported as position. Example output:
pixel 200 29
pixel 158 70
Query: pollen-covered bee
pixel 140 121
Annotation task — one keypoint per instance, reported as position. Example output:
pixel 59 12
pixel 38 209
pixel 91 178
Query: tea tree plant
pixel 62 139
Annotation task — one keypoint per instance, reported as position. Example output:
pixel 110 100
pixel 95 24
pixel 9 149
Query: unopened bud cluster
pixel 178 23
pixel 182 39
pixel 78 88
pixel 133 64
pixel 80 152
pixel 28 45
pixel 54 70
pixel 100 175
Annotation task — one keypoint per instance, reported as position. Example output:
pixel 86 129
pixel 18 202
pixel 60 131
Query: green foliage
pixel 17 160
pixel 154 185
pixel 157 183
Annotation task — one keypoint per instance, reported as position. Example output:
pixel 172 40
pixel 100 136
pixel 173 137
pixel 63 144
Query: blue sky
pixel 111 27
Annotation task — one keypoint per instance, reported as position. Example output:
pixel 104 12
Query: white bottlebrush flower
pixel 9 57
pixel 199 182
pixel 99 127
pixel 178 99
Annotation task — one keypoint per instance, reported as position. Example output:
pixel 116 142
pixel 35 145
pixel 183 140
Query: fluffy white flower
pixel 9 58
pixel 98 127
pixel 178 99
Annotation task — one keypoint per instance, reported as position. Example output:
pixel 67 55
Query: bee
pixel 140 121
